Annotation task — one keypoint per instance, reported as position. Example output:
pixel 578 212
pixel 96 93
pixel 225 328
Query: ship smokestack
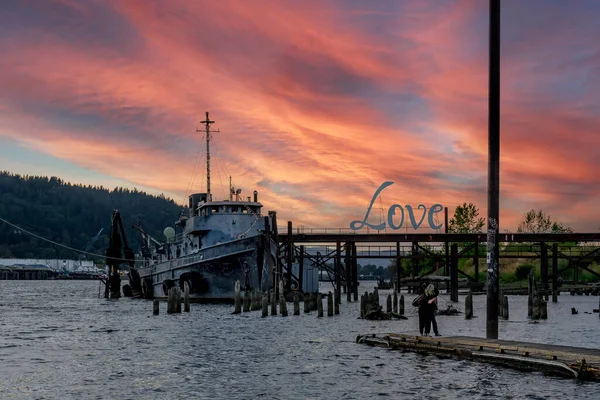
pixel 255 196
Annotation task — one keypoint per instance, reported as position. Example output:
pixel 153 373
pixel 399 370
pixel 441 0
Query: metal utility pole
pixel 491 327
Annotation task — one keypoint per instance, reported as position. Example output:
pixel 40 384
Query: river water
pixel 58 340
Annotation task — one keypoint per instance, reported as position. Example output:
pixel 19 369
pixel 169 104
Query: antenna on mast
pixel 207 123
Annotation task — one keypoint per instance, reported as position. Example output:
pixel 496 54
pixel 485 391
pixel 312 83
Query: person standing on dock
pixel 419 302
pixel 430 307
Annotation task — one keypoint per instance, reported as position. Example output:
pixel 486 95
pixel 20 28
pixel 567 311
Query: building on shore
pixel 57 265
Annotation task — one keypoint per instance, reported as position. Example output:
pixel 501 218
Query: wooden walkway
pixel 571 362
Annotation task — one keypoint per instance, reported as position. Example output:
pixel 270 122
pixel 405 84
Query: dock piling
pixel 247 301
pixel 469 306
pixel 273 303
pixel 307 303
pixel 186 297
pixel 283 306
pixel 395 301
pixel 362 305
pixel 401 305
pixel 265 305
pixel 329 304
pixel 237 298
pixel 296 304
pixel 177 299
pixel 319 305
pixel 388 305
pixel 543 309
pixel 336 303
pixel 155 307
pixel 505 312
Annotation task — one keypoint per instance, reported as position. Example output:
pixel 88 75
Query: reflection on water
pixel 59 340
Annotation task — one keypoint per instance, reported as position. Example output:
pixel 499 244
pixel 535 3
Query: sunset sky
pixel 318 102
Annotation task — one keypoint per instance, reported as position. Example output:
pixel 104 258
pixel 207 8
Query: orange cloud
pixel 317 102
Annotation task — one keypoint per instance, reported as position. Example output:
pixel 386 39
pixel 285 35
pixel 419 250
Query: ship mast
pixel 207 123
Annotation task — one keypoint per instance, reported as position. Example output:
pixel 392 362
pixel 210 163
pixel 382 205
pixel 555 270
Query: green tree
pixel 466 219
pixel 540 222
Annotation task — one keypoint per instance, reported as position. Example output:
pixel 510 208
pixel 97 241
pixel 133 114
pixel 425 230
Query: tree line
pixel 72 215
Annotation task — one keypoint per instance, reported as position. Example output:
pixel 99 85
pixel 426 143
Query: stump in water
pixel 377 313
pixel 450 310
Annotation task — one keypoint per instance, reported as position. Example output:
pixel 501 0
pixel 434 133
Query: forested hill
pixel 72 215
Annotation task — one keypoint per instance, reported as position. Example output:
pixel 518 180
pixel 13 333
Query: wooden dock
pixel 566 361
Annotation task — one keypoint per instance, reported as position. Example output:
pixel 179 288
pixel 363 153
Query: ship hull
pixel 211 273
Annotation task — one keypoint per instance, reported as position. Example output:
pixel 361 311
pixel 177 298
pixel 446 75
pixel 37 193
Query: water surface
pixel 58 340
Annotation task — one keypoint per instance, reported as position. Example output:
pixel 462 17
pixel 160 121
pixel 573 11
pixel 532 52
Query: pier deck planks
pixel 573 362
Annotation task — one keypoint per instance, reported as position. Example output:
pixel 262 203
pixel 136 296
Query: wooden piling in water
pixel 307 303
pixel 258 298
pixel 401 305
pixel 388 305
pixel 296 304
pixel 329 304
pixel 177 299
pixel 314 298
pixel 186 297
pixel 395 301
pixel 283 306
pixel 555 272
pixel 265 305
pixel 237 298
pixel 469 306
pixel 319 305
pixel 155 307
pixel 362 305
pixel 170 301
pixel 247 301
pixel 543 309
pixel 536 308
pixel 505 307
pixel 336 303
pixel 530 294
pixel 273 303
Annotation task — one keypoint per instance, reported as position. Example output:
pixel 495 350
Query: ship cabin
pixel 213 222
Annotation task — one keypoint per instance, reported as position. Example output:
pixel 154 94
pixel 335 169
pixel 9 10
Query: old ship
pixel 216 244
